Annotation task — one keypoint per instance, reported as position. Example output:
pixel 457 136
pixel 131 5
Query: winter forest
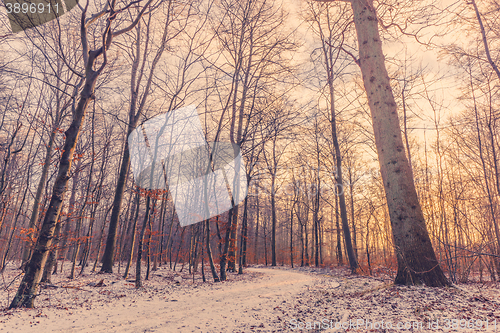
pixel 370 139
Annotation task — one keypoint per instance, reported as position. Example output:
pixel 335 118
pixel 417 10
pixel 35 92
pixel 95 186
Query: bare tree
pixel 417 262
pixel 28 287
pixel 332 36
pixel 251 36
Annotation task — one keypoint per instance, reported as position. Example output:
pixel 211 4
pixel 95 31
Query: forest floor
pixel 263 299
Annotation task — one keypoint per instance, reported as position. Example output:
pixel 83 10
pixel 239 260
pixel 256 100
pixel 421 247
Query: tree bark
pixel 47 272
pixel 209 253
pixel 138 282
pixel 417 261
pixel 109 251
pixel 339 186
pixel 133 233
pixel 340 258
pixel 28 288
pixel 136 107
pixel 273 221
pixel 291 233
pixel 41 184
pixel 224 254
pixel 257 222
pixel 243 239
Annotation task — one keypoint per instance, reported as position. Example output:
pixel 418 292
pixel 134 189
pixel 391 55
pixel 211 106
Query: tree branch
pixel 131 26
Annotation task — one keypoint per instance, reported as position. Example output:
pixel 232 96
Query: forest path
pixel 237 306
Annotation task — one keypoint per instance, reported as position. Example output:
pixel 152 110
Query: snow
pixel 263 299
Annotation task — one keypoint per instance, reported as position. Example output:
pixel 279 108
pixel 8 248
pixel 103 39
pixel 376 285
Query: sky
pixel 445 91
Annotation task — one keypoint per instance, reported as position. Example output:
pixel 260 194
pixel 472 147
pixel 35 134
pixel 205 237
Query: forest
pixel 368 130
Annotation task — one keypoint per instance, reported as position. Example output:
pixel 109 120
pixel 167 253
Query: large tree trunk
pixel 28 289
pixel 51 261
pixel 417 261
pixel 70 214
pixel 39 191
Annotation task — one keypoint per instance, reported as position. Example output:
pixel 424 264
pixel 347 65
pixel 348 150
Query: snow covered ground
pixel 262 300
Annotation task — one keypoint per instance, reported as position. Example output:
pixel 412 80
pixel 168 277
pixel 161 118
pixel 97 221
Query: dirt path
pixel 226 307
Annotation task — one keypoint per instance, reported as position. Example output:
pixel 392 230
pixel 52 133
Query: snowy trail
pixel 224 307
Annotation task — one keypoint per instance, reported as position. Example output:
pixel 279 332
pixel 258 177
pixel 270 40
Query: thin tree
pixel 332 36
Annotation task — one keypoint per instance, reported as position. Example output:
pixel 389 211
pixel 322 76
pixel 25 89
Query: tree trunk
pixel 39 191
pixel 3 265
pixel 69 217
pixel 135 111
pixel 243 239
pixel 417 261
pixel 109 251
pixel 47 272
pixel 265 240
pixel 257 222
pixel 353 221
pixel 224 254
pixel 138 282
pixel 28 289
pixel 203 255
pixel 301 243
pixel 209 253
pixel 291 233
pixel 133 233
pixel 163 212
pixel 273 222
pixel 148 257
pixel 340 258
pixel 306 242
pixel 88 240
pixel 317 241
pixel 485 40
pixel 233 242
pixel 353 263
